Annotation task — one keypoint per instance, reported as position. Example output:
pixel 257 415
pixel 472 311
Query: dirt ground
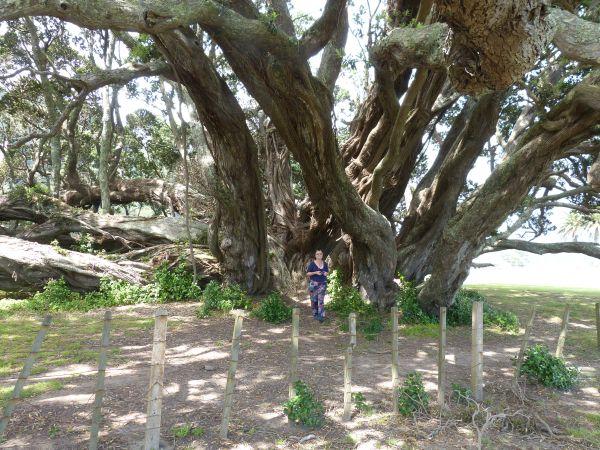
pixel 196 372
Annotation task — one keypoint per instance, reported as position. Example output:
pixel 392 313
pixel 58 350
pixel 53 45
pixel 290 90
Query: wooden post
pixel 235 351
pixel 442 358
pixel 395 374
pixel 352 320
pixel 598 324
pixel 99 395
pixel 155 389
pixel 560 345
pixel 477 351
pixel 294 351
pixel 348 384
pixel 25 372
pixel 525 342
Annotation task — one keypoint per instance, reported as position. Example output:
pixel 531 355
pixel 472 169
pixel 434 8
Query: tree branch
pixel 331 62
pixel 320 33
pixel 587 248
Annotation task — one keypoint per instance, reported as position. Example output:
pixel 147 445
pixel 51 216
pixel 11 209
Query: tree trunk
pixel 463 238
pixel 171 196
pixel 56 220
pixel 27 265
pixel 242 231
pixel 434 201
pixel 106 137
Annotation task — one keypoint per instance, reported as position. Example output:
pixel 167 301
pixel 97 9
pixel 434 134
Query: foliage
pixel 408 305
pixel 175 283
pixel 547 369
pixel 460 313
pixel 85 244
pixel 304 408
pixel 412 398
pixel 273 309
pixel 360 402
pixel 460 394
pixel 27 193
pixel 187 429
pixel 345 300
pixel 58 296
pixel 225 297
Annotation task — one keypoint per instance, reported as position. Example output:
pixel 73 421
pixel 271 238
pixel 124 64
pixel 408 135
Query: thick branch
pixel 587 248
pixel 320 33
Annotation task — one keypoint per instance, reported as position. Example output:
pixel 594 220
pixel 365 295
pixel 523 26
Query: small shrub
pixel 185 430
pixel 304 408
pixel 85 244
pixel 370 326
pixel 412 398
pixel 272 309
pixel 460 394
pixel 547 369
pixel 56 296
pixel 460 312
pixel 360 402
pixel 226 297
pixel 176 283
pixel 409 307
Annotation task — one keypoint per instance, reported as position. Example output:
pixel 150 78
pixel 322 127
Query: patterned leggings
pixel 317 298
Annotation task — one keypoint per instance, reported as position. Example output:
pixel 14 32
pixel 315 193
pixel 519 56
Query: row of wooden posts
pixel 155 389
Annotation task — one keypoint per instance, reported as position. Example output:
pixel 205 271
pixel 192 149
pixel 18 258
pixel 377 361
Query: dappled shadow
pixel 196 371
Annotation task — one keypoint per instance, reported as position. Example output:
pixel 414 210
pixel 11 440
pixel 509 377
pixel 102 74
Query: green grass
pixel 587 429
pixel 429 330
pixel 68 341
pixel 550 303
pixel 32 390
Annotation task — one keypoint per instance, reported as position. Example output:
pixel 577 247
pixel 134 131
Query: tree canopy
pixel 267 134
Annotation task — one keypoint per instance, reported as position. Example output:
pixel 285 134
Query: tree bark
pixel 434 201
pixel 242 231
pixel 27 265
pixel 146 190
pixel 463 238
pixel 541 248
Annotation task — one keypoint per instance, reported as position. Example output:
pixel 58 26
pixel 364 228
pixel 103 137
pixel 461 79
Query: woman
pixel 316 272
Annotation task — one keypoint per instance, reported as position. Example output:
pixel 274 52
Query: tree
pixel 516 79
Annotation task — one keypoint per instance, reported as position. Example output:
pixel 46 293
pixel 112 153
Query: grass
pixel 587 428
pixel 551 303
pixel 32 390
pixel 73 338
pixel 429 330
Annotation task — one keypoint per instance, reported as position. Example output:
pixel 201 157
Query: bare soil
pixel 196 372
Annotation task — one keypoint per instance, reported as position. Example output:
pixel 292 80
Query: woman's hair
pixel 319 250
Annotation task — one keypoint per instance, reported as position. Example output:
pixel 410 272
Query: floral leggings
pixel 317 297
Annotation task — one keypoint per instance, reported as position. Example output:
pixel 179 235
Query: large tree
pixel 516 80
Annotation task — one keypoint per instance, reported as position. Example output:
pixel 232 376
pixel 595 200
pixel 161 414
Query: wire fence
pixel 145 402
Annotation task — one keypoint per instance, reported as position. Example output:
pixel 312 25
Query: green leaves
pixel 176 283
pixel 272 309
pixel 304 408
pixel 547 369
pixel 226 297
pixel 412 398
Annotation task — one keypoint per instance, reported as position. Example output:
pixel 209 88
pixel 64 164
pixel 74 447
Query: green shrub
pixel 547 369
pixel 58 296
pixel 370 326
pixel 304 408
pixel 176 283
pixel 408 305
pixel 345 299
pixel 460 394
pixel 273 309
pixel 225 297
pixel 84 244
pixel 360 402
pixel 412 398
pixel 460 312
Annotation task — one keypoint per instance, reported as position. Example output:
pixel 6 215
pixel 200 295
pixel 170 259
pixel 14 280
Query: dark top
pixel 312 267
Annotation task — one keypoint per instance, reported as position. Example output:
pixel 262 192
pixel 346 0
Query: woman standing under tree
pixel 317 272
